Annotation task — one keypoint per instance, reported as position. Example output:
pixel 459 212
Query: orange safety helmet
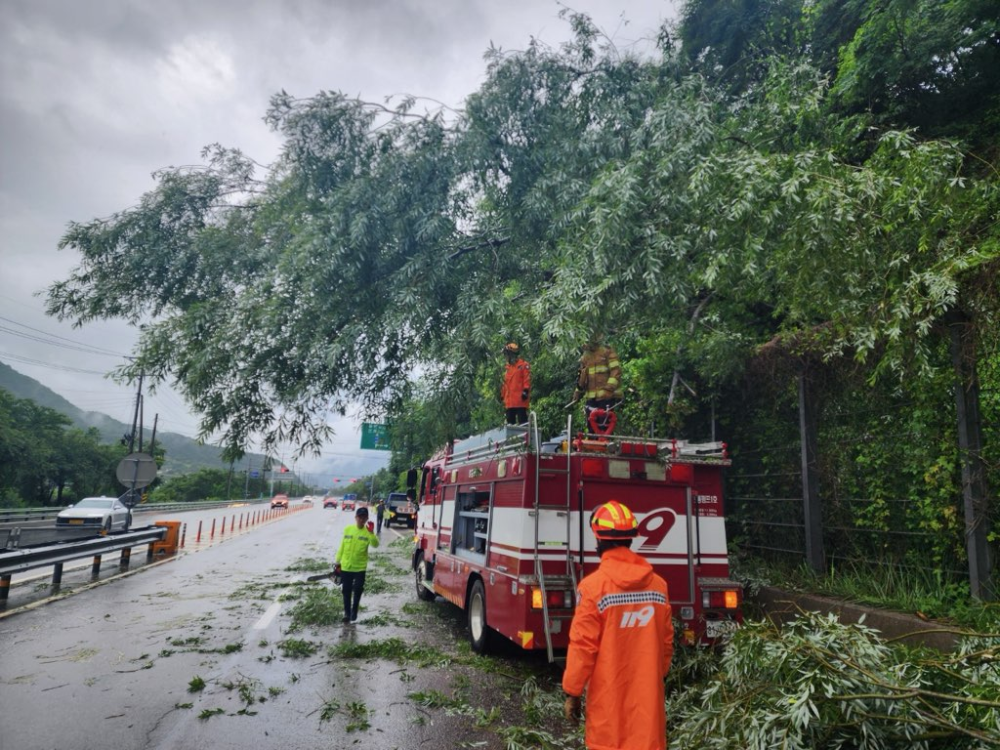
pixel 512 348
pixel 613 521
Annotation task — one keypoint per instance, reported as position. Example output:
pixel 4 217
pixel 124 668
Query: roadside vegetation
pixel 778 204
pixel 917 591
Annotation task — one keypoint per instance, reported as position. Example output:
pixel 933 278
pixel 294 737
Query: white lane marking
pixel 268 616
pixel 271 612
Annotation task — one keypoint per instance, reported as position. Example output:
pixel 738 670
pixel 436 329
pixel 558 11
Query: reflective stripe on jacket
pixel 621 643
pixel 600 374
pixel 517 379
pixel 352 554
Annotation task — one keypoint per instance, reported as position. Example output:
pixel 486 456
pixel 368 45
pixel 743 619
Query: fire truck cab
pixel 502 529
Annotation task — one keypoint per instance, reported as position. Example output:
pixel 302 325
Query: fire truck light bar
pixel 647 450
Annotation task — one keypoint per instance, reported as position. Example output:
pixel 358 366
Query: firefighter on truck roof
pixel 620 642
pixel 516 390
pixel 600 379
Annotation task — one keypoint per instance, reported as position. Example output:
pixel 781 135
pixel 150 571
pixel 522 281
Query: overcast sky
pixel 97 94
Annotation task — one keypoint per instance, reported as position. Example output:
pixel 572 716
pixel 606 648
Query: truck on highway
pixel 502 529
pixel 402 510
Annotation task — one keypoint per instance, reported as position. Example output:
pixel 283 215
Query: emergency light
pixel 645 450
pixel 558 599
pixel 728 599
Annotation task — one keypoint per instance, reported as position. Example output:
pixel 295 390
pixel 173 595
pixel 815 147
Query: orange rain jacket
pixel 621 643
pixel 516 380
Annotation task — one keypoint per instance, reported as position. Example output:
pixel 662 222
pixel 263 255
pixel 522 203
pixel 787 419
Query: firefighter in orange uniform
pixel 621 642
pixel 516 388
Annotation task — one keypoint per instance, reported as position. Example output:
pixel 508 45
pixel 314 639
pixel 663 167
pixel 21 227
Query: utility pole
pixel 152 440
pixel 135 416
pixel 142 419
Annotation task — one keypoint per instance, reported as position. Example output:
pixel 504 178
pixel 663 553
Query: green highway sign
pixel 374 437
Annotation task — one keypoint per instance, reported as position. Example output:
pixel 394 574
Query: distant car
pixel 307 500
pixel 105 513
pixel 329 502
pixel 346 504
pixel 279 501
pixel 401 510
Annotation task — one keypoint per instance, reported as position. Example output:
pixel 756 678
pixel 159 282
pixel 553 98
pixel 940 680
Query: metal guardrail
pixel 56 555
pixel 20 560
pixel 9 515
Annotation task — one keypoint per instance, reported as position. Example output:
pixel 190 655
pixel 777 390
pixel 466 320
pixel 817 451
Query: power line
pixel 39 363
pixel 70 343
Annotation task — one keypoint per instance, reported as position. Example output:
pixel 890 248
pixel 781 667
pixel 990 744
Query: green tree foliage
pixel 770 180
pixel 926 64
pixel 204 484
pixel 43 461
pixel 819 683
pixel 733 40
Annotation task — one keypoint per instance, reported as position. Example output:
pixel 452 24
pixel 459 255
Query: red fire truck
pixel 502 529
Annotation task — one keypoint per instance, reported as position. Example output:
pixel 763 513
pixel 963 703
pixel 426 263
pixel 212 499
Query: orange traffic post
pixel 170 542
pixel 241 522
pixel 223 532
pixel 184 532
pixel 197 538
pixel 211 534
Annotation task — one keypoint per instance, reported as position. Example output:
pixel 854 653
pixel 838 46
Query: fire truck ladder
pixel 557 581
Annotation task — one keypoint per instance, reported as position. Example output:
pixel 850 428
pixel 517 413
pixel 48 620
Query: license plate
pixel 719 628
pixel 76 521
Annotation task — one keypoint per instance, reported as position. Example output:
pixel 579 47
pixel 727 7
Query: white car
pixel 105 513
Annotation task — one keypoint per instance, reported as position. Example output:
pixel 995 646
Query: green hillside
pixel 183 454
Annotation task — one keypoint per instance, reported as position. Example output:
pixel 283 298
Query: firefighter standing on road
pixel 516 388
pixel 620 642
pixel 352 561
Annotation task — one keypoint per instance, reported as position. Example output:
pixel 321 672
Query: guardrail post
pixel 125 559
pixel 95 569
pixel 4 588
pixel 197 538
pixel 57 574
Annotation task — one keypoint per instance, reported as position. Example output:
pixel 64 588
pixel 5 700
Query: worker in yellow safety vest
pixel 600 379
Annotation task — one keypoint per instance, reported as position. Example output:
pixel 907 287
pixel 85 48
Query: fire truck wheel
pixel 479 631
pixel 421 575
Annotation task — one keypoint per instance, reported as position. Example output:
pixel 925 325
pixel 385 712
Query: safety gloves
pixel 573 709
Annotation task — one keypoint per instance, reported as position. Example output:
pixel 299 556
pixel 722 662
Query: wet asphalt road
pixel 112 666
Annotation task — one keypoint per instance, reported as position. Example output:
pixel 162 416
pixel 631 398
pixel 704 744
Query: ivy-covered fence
pixel 887 466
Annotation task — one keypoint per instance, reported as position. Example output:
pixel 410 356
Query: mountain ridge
pixel 183 454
